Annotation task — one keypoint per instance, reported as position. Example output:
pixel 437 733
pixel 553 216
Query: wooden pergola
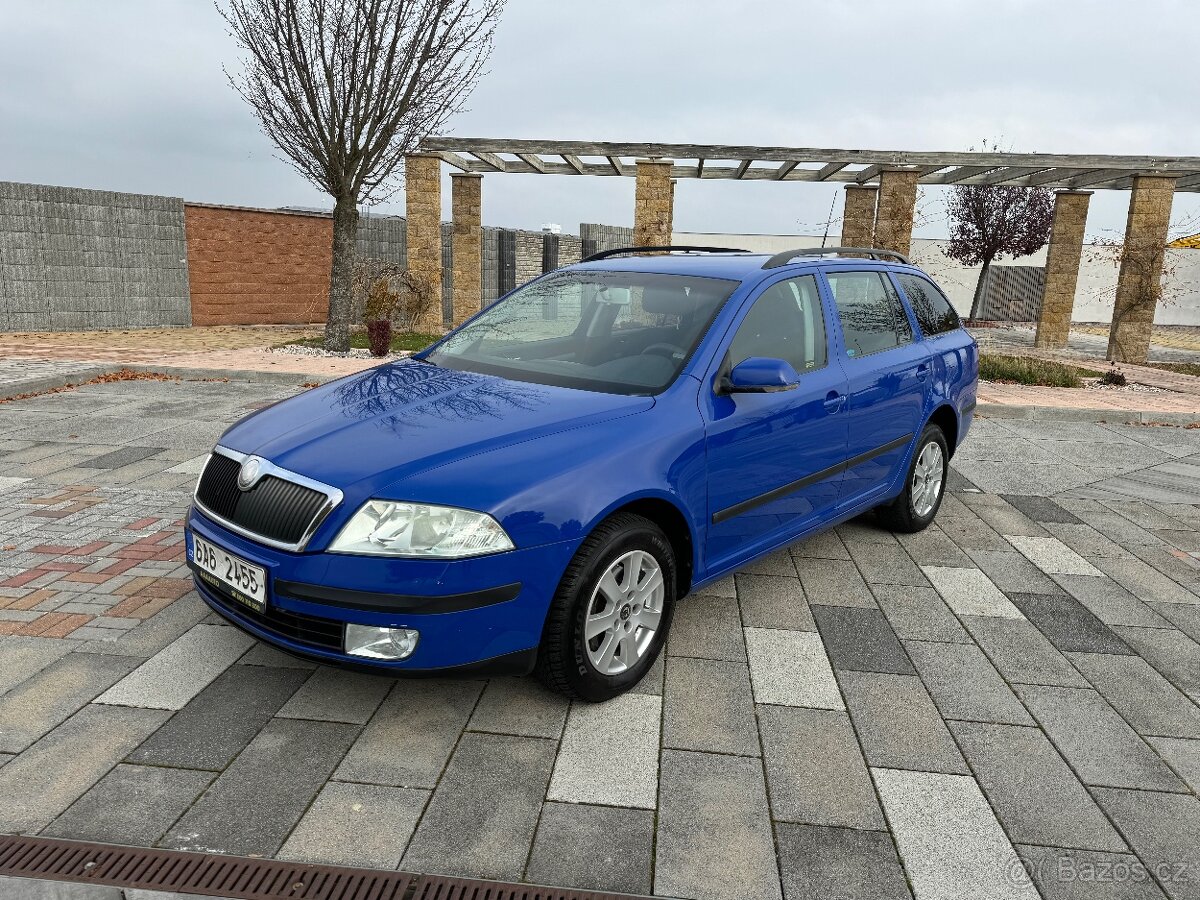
pixel 716 161
pixel 881 188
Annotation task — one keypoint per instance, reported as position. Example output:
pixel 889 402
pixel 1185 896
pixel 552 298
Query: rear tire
pixel 610 615
pixel 924 486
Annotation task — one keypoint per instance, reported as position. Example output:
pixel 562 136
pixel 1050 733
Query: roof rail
pixel 782 259
pixel 617 251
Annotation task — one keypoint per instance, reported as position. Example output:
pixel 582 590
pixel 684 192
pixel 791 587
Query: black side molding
pixel 968 409
pixel 738 508
pixel 407 603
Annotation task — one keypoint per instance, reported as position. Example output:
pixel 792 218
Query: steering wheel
pixel 664 349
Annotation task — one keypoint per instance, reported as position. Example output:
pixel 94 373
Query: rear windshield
pixel 616 332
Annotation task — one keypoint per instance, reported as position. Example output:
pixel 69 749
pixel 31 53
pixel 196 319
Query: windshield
pixel 617 332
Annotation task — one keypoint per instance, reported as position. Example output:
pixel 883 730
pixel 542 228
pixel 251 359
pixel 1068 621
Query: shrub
pixel 1030 370
pixel 1115 377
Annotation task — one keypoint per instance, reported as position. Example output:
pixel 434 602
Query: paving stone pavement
pixel 1005 705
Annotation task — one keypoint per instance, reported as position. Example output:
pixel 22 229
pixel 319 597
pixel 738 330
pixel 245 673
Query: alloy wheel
pixel 624 612
pixel 928 474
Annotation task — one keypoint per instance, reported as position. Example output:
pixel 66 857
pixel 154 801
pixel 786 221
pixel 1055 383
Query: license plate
pixel 246 582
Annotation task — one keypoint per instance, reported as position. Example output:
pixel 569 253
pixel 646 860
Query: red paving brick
pixel 24 578
pixel 141 524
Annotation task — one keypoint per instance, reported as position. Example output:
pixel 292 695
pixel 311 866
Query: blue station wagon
pixel 535 491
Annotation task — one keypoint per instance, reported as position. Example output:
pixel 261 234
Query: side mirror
pixel 760 375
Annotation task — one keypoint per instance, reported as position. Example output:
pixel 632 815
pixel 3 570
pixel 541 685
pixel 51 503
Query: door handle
pixel 922 371
pixel 834 401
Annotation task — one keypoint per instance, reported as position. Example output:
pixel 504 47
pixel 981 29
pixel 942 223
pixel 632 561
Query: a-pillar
pixel 653 204
pixel 894 217
pixel 466 278
pixel 1139 282
pixel 1062 268
pixel 423 229
pixel 858 215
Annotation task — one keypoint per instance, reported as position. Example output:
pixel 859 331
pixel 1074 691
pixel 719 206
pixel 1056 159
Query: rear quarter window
pixel 934 313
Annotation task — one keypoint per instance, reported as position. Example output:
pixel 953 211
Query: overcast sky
pixel 129 95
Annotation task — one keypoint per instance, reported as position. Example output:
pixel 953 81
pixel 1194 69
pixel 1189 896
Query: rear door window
pixel 872 316
pixel 934 313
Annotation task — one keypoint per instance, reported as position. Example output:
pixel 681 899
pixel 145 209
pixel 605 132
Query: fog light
pixel 375 642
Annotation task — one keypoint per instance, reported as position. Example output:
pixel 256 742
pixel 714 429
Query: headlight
pixel 389 528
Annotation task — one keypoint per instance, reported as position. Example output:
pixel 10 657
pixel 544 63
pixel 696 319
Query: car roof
pixel 733 266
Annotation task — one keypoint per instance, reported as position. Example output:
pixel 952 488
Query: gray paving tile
pixel 822 545
pixel 410 737
pixel 36 785
pixel 176 674
pixel 22 657
pixel 221 720
pixel 969 592
pixel 708 706
pixel 887 564
pixel 597 744
pixel 790 668
pixel 1011 571
pixel 1111 603
pixel 1171 652
pixel 521 706
pixel 1088 874
pixel 949 840
pixel 1034 792
pixel 932 547
pixel 1097 742
pixel 1042 510
pixel 1004 518
pixel 1087 541
pixel 964 684
pixel 1052 556
pixel 707 627
pixel 481 819
pixel 265 655
pixel 118 458
pixel 131 805
pixel 156 633
pixel 13 888
pixel 834 582
pixel 1146 582
pixel 1068 624
pixel 1164 830
pixel 898 726
pixel 652 681
pixel 337 695
pixel 919 614
pixel 778 562
pixel 1021 653
pixel 1184 617
pixel 769 601
pixel 861 639
pixel 365 825
pixel 59 690
pixel 714 829
pixel 1181 755
pixel 722 587
pixel 597 848
pixel 815 770
pixel 969 530
pixel 1145 699
pixel 839 862
pixel 255 803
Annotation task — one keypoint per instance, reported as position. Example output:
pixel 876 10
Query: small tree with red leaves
pixel 992 220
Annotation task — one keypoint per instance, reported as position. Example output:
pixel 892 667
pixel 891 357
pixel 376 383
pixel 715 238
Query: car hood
pixel 372 429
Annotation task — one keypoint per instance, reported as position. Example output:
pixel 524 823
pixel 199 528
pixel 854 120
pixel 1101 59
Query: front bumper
pixel 473 615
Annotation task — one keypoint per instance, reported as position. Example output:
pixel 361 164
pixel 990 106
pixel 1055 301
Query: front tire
pixel 610 615
pixel 924 486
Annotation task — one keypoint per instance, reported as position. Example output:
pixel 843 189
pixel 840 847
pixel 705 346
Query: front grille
pixel 279 510
pixel 312 631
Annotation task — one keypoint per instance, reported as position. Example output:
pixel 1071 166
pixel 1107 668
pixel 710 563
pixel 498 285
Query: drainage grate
pixel 213 875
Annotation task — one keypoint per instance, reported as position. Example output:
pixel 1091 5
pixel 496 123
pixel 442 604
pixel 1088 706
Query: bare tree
pixel 346 88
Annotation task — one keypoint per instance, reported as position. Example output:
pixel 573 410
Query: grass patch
pixel 1180 368
pixel 1031 370
pixel 408 340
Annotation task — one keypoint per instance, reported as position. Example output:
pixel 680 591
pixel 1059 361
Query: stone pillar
pixel 897 201
pixel 466 278
pixel 423 209
pixel 1139 283
pixel 653 203
pixel 1062 268
pixel 858 215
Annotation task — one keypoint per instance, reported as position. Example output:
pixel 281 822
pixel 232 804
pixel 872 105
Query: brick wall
pixel 253 267
pixel 74 259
